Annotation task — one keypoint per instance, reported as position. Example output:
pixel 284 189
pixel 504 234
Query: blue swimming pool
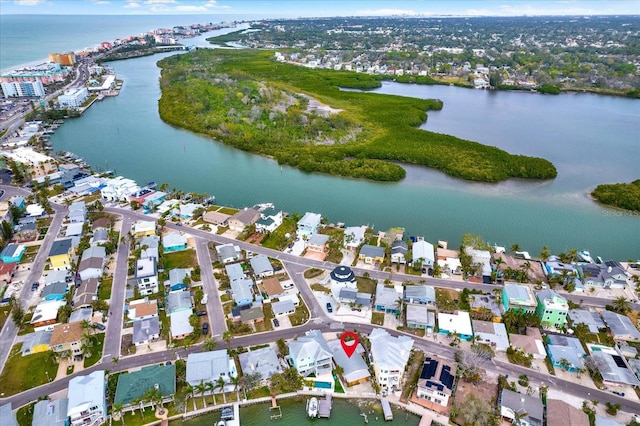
pixel 322 385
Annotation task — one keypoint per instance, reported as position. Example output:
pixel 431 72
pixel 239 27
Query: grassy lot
pixel 446 298
pixel 416 360
pixel 24 416
pixel 228 210
pixel 410 271
pixel 277 239
pixel 226 297
pixel 44 222
pixel 96 352
pixel 4 315
pixel 138 418
pixel 312 273
pixel 366 285
pixel 222 230
pixel 22 373
pixel 29 254
pixel 377 318
pixel 320 287
pixel 180 259
pixel 301 315
pixel 104 291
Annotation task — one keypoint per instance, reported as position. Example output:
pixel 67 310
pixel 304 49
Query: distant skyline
pixel 321 8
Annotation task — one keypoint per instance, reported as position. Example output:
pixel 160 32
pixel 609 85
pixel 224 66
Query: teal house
pixel 12 253
pixel 552 308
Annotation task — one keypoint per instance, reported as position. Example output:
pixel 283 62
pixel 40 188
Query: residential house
pixel 178 301
pixel 281 308
pixel 242 219
pixel 85 294
pixel 309 224
pixel 261 266
pixel 371 254
pixel 174 241
pixel 491 333
pixel 621 326
pixel 242 291
pixel 55 291
pixel 67 338
pixel 342 276
pixel 354 237
pixel 388 299
pixel 180 326
pixel 143 228
pixel 87 404
pixel 92 263
pixel 310 354
pixel 272 287
pixel 26 230
pixel 61 254
pixel 614 368
pixel 99 237
pixel 7 416
pixel 228 253
pixel 481 258
pixel 316 246
pixel 559 413
pixel 422 253
pixel 74 229
pixel 149 247
pixel 487 302
pixel 399 250
pixel 552 308
pixel 18 201
pixel 421 294
pixel 101 223
pixel 208 367
pixel 12 253
pixel 606 421
pixel 590 318
pixel 56 277
pixel 436 381
pixel 36 342
pixel 518 297
pixel 50 412
pixel 153 200
pixel 77 212
pixel 530 343
pixel 449 260
pixel 146 276
pixel 177 278
pixel 419 316
pixel 35 210
pixel 252 315
pixel 146 330
pixel 354 367
pixel 608 275
pixel 354 298
pixel 263 361
pixel 270 220
pixel 217 218
pixel 389 356
pixel 142 309
pixel 556 267
pixel 528 409
pixel 6 271
pixel 187 211
pixel 566 352
pixel 235 272
pixel 82 314
pixel 46 313
pixel 458 323
pixel 132 386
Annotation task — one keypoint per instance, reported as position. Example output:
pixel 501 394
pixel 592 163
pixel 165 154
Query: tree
pixel 235 381
pixel 220 384
pixel 283 349
pixel 211 387
pixel 515 247
pixel 209 344
pixel 7 230
pixel 545 253
pixel 612 409
pixel 621 305
pixel 475 411
pixel 116 410
pixel 17 312
pixel 470 365
pixel 201 389
pixel 523 380
pixel 227 336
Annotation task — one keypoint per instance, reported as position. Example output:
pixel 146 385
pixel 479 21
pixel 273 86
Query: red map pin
pixel 349 346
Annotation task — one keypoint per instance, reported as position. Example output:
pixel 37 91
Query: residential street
pixel 217 322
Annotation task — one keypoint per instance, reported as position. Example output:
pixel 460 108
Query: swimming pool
pixel 322 385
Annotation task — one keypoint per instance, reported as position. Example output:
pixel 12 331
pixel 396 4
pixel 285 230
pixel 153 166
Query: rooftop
pixel 207 366
pixel 66 333
pixel 134 385
pixel 389 352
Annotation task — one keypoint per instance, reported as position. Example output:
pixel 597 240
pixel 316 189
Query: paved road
pixel 217 322
pixel 9 331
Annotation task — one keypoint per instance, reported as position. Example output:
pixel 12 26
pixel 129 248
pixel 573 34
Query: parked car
pixel 618 393
pixel 205 328
pixel 34 286
pixel 329 307
pixel 99 326
pixel 201 313
pixel 276 323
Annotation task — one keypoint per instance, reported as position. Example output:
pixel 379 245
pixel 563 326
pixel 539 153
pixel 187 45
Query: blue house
pixel 54 291
pixel 565 352
pixel 387 299
pixel 176 278
pixel 241 290
pixel 18 201
pixel 174 241
pixel 12 253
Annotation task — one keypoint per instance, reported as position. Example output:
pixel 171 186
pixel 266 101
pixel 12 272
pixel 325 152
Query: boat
pixel 312 407
pixel 221 423
pixel 585 256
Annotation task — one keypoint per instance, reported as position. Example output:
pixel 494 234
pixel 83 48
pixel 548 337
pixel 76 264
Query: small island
pixel 623 195
pixel 302 118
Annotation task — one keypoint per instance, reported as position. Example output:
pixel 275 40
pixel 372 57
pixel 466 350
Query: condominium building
pixel 73 98
pixel 18 89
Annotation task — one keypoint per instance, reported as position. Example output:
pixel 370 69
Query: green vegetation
pixel 248 100
pixel 22 373
pixel 366 285
pixel 377 318
pixel 623 195
pixel 300 316
pixel 312 273
pixel 24 416
pixel 104 290
pixel 180 259
pixel 278 239
pixel 95 351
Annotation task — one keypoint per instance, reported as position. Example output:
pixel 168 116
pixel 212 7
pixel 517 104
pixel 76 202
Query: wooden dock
pixel 275 406
pixel 324 407
pixel 386 409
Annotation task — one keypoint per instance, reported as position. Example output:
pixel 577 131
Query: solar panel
pixel 619 361
pixel 429 369
pixel 447 379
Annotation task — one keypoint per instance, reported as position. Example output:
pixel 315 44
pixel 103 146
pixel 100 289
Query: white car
pixel 204 299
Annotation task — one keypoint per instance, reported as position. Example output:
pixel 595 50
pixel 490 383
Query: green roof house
pixel 133 387
pixel 552 308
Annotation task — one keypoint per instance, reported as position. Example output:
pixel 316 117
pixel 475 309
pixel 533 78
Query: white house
pixel 87 404
pixel 146 275
pixel 309 223
pixel 389 357
pixel 422 251
pixel 119 189
pixel 311 354
pixel 208 366
pixel 354 237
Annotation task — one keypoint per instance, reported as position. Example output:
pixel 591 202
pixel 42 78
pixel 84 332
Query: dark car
pixel 329 307
pixel 276 323
pixel 201 313
pixel 205 328
pixel 34 286
pixel 99 326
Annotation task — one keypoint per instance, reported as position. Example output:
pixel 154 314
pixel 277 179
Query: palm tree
pixel 515 247
pixel 227 336
pixel 621 305
pixel 116 410
pixel 220 383
pixel 235 381
pixel 209 344
pixel 211 387
pixel 201 389
pixel 191 391
pixel 545 253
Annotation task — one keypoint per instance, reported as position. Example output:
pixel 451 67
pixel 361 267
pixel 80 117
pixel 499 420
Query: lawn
pixel 446 298
pixel 226 297
pixel 24 416
pixel 366 285
pixel 301 315
pixel 96 352
pixel 22 373
pixel 104 291
pixel 180 259
pixel 30 253
pixel 228 210
pixel 4 315
pixel 377 318
pixel 278 240
pixel 321 288
pixel 313 272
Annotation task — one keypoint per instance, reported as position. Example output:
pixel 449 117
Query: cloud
pixel 29 2
pixel 159 2
pixel 385 12
pixel 100 1
pixel 132 5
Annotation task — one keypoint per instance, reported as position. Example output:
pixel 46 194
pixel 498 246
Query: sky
pixel 319 8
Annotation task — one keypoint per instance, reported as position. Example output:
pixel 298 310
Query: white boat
pixel 585 256
pixel 312 407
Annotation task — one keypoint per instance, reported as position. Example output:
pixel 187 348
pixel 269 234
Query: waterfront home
pixel 565 352
pixel 87 404
pixel 252 315
pixel 389 356
pixel 420 316
pixel 216 218
pixel 483 259
pixel 67 338
pixel 399 250
pixel 119 189
pixel 208 367
pixel 354 368
pixel 46 313
pixel 50 412
pixel 491 333
pixel 421 294
pixel 180 325
pixel 620 326
pixel 178 301
pixel 263 361
pixel 235 272
pixel 55 291
pixel 316 246
pixel 146 276
pixel 178 278
pixel 242 291
pixel 371 254
pixel 272 287
pixel 132 387
pixel 270 219
pixel 388 299
pixel 284 307
pixel 143 228
pixel 146 330
pixel 36 342
pixel 458 323
pixel 552 309
pixel 436 381
pixel 422 253
pixel 531 343
pixel 188 210
pixel 310 354
pixel 12 253
pixel 85 294
pixel 228 253
pixel 614 368
pixel 518 297
pixel 556 267
pixel 611 274
pixel 142 309
pixel 153 200
pixel 92 263
pixel 354 237
pixel 559 413
pixel 309 224
pixel 174 241
pixel 261 266
pixel 61 254
pixel 242 219
pixel 528 409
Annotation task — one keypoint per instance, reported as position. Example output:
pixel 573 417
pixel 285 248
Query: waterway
pixel 591 139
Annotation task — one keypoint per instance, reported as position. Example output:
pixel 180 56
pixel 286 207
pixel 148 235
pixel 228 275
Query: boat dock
pixel 386 409
pixel 275 406
pixel 324 407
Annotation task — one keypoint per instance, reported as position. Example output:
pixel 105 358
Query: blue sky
pixel 310 8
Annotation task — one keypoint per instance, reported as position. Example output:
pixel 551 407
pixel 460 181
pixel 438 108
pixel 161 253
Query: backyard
pixel 22 373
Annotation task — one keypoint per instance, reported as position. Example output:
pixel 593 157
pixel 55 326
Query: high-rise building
pixel 73 98
pixel 23 89
pixel 68 58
